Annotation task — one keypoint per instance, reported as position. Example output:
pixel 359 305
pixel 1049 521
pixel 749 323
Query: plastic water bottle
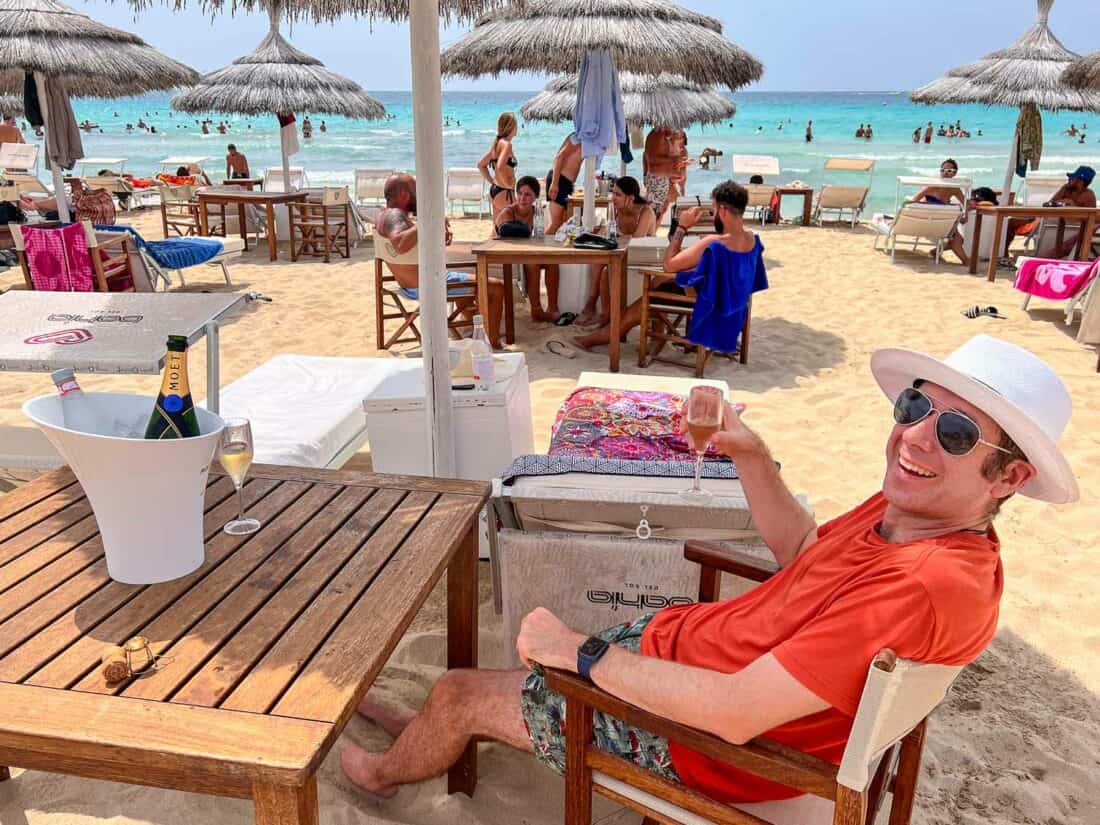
pixel 613 230
pixel 481 357
pixel 77 410
pixel 539 230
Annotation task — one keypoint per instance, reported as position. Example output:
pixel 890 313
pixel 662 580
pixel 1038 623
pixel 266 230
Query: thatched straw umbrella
pixel 648 100
pixel 1084 73
pixel 72 54
pixel 642 36
pixel 1026 74
pixel 277 77
pixel 424 17
pixel 11 105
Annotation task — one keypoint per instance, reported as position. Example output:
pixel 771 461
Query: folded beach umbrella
pixel 1084 74
pixel 642 36
pixel 1027 74
pixel 52 52
pixel 648 100
pixel 277 78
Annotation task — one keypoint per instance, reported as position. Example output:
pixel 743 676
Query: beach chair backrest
pixel 18 156
pixel 849 164
pixel 1038 189
pixel 370 184
pixel 834 196
pixel 112 183
pixel 465 184
pixel 897 695
pixel 274 182
pixel 170 194
pixel 57 259
pixel 749 165
pixel 760 194
pixel 334 196
pixel 925 220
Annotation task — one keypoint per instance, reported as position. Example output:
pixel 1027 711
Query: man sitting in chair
pixel 398 229
pixel 915 568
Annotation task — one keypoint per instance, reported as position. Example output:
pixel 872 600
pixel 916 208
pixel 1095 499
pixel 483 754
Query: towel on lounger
pixel 1056 280
pixel 173 253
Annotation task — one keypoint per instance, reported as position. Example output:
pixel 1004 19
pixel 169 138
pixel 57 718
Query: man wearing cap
pixel 915 568
pixel 1075 192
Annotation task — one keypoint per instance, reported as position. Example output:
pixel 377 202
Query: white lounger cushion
pixel 305 410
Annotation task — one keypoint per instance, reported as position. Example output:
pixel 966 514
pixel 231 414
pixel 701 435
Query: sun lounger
pixel 152 261
pixel 27 184
pixel 1071 281
pixel 273 179
pixel 760 194
pixel 920 222
pixel 466 185
pixel 845 198
pixel 305 410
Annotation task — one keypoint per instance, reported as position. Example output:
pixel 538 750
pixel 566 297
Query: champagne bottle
pixel 174 413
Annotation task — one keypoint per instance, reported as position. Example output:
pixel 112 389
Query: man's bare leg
pixel 393 719
pixel 557 217
pixel 496 311
pixel 463 704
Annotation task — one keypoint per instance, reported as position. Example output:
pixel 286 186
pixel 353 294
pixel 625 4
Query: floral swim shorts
pixel 544 714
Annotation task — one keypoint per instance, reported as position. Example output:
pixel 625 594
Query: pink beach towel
pixel 1056 280
pixel 59 259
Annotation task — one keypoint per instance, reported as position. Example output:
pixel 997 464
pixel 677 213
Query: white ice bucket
pixel 147 496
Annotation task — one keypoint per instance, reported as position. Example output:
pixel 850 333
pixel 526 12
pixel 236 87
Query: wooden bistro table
pixel 269 646
pixel 507 252
pixel 223 196
pixel 1086 216
pixel 807 195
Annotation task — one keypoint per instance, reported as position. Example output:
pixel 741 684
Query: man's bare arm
pixel 400 229
pixel 735 707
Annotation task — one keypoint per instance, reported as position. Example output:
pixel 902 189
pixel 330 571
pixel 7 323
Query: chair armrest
pixel 729 560
pixel 761 757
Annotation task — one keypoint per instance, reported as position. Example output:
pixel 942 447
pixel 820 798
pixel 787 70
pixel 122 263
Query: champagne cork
pixel 139 656
pixel 115 668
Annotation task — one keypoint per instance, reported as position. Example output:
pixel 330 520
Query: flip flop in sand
pixel 560 348
pixel 565 319
pixel 977 312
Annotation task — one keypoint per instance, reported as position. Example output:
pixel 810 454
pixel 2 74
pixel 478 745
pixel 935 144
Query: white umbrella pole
pixel 286 163
pixel 589 216
pixel 1011 168
pixel 431 218
pixel 55 170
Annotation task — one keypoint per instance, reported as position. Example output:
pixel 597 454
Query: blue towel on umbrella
pixel 724 281
pixel 598 119
pixel 173 253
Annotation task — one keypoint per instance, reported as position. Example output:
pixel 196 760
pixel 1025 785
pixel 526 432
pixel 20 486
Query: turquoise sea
pixel 331 157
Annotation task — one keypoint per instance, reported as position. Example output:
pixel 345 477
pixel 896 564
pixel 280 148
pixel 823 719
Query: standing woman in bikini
pixel 498 165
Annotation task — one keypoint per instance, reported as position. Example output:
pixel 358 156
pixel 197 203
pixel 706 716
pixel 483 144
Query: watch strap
pixel 587 660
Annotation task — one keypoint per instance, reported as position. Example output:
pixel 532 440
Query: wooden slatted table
pixel 269 646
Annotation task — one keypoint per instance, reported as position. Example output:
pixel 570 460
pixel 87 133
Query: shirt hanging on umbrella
pixel 598 119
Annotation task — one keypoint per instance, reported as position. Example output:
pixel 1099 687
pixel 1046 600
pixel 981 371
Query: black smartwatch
pixel 589 653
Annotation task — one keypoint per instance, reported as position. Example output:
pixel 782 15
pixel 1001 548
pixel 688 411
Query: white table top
pixel 101 332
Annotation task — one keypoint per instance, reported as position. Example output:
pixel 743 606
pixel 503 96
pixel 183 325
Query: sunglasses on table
pixel 957 433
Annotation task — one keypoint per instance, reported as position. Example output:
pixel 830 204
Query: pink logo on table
pixel 61 336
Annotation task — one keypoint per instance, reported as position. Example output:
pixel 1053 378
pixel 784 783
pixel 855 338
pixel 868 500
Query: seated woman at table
pixel 728 200
pixel 942 194
pixel 515 220
pixel 635 218
pixel 960 239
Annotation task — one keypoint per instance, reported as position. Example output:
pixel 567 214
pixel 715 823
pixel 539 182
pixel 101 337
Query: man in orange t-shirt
pixel 915 568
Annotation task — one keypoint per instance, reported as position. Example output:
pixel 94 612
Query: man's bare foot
pixel 538 315
pixel 587 318
pixel 584 341
pixel 391 718
pixel 361 767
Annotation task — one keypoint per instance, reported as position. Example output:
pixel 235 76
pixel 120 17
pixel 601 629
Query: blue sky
pixel 805 45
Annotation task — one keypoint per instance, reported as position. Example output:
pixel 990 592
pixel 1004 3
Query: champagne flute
pixel 704 418
pixel 235 454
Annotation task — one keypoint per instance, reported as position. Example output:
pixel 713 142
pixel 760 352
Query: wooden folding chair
pixel 319 226
pixel 110 258
pixel 883 751
pixel 665 316
pixel 179 211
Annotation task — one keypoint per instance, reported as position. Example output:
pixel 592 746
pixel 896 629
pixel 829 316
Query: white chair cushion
pixel 305 409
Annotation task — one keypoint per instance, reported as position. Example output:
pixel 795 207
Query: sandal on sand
pixel 977 312
pixel 565 319
pixel 561 348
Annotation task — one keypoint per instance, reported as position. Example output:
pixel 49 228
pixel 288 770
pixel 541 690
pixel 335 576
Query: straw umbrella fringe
pixel 328 11
pixel 1084 74
pixel 94 60
pixel 664 100
pixel 643 36
pixel 11 105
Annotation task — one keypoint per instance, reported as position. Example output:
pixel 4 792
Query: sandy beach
pixel 1017 741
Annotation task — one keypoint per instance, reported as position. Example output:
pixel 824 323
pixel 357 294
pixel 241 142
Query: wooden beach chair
pixel 109 261
pixel 321 224
pixel 882 755
pixel 846 200
pixel 466 185
pixel 925 223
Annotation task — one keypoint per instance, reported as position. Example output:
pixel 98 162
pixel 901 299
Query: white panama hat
pixel 1014 387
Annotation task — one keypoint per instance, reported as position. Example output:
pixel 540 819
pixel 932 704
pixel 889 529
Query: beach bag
pixel 514 229
pixel 95 205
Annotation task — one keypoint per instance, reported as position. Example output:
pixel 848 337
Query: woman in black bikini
pixel 498 165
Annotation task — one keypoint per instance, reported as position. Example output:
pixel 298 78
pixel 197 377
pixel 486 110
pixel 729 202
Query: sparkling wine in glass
pixel 235 454
pixel 704 418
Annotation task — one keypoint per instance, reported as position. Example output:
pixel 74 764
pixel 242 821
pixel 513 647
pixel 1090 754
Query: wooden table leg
pixel 272 240
pixel 977 242
pixel 807 206
pixel 509 306
pixel 204 220
pixel 5 774
pixel 285 804
pixel 615 273
pixel 1084 240
pixel 462 643
pixel 995 255
pixel 242 225
pixel 483 287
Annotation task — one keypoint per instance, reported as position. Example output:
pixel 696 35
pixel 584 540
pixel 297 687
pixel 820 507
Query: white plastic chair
pixel 466 185
pixel 920 222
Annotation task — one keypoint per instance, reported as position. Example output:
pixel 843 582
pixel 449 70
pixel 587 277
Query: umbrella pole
pixel 55 171
pixel 1011 168
pixel 286 163
pixel 589 216
pixel 428 141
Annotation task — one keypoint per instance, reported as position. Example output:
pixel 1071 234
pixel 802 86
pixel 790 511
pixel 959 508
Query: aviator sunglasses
pixel 958 434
